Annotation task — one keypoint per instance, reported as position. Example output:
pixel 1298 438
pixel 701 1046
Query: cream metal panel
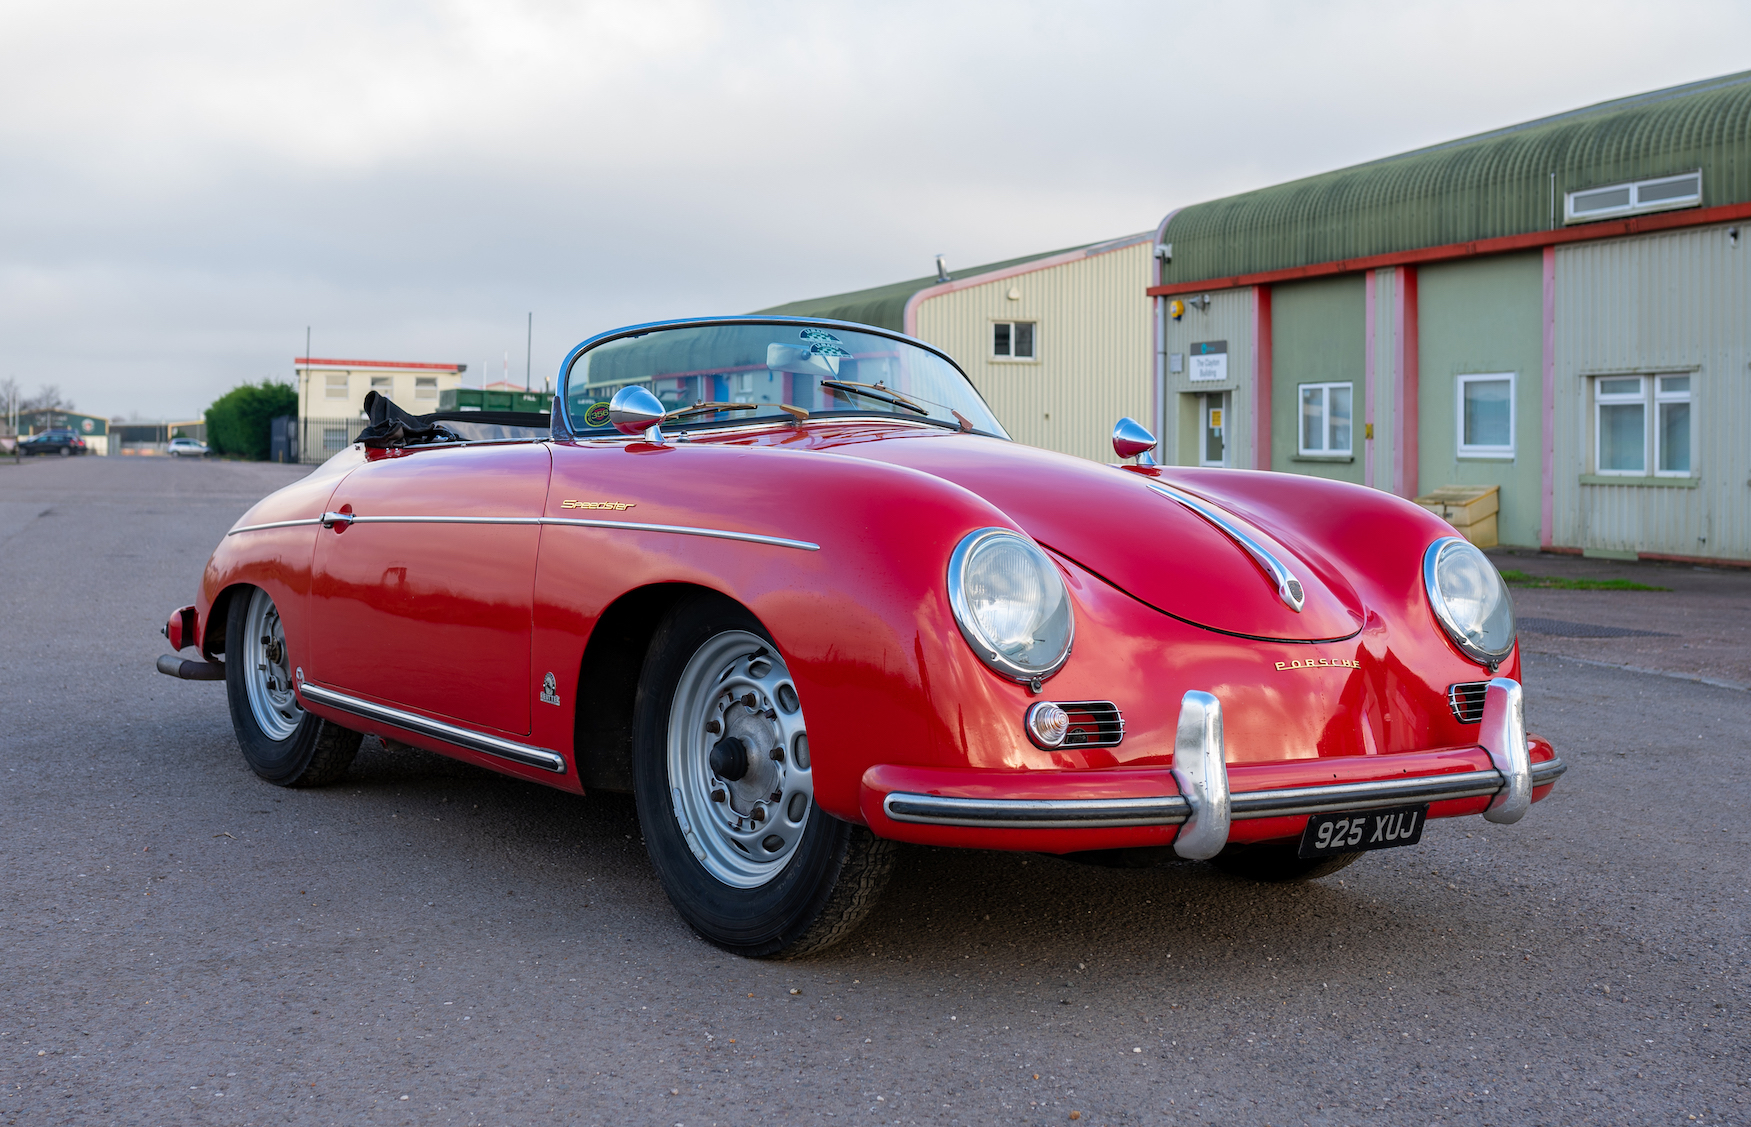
pixel 1093 346
pixel 1229 318
pixel 1670 302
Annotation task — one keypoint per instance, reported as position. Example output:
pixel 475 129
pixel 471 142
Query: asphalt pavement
pixel 429 943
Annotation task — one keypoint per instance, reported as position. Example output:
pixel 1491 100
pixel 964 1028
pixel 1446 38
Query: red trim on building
pixel 1261 378
pixel 1610 229
pixel 1405 417
pixel 317 361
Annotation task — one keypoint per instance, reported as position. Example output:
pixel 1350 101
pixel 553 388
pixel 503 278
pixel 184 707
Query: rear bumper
pixel 1116 808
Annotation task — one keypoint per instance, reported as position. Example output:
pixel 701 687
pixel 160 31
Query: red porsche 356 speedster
pixel 790 583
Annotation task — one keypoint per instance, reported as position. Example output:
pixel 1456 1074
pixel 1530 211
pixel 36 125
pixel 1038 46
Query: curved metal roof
pixel 1485 186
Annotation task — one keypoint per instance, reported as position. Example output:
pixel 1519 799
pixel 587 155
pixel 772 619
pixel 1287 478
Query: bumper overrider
pixel 1111 807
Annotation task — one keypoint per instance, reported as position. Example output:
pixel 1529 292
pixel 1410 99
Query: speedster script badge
pixel 617 506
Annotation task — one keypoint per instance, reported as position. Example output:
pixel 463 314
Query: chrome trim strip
pixel 1289 588
pixel 684 530
pixel 437 729
pixel 1543 774
pixel 1103 813
pixel 1036 813
pixel 1365 796
pixel 273 524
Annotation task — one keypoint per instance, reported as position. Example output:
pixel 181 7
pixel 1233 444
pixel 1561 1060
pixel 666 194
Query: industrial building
pixel 1058 343
pixel 1561 309
pixel 331 395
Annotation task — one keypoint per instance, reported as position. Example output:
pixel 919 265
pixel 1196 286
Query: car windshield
pixel 737 372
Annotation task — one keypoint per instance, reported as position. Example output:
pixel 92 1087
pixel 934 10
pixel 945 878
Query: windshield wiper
pixel 876 391
pixel 798 413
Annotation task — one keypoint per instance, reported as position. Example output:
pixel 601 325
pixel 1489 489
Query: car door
pixel 422 587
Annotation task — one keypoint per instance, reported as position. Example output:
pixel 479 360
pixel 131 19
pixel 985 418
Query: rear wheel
pixel 1278 862
pixel 281 742
pixel 725 790
pixel 66 451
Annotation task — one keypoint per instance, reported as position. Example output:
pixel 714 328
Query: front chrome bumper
pixel 1206 807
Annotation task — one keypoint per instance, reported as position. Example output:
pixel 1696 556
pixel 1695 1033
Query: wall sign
pixel 1209 361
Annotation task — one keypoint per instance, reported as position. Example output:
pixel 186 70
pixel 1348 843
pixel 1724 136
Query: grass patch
pixel 1552 582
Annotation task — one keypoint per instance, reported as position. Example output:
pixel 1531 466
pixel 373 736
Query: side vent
pixel 1097 723
pixel 1466 701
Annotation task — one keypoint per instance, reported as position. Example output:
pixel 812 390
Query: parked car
pixel 790 583
pixel 186 448
pixel 61 443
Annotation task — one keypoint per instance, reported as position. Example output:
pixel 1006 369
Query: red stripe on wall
pixel 1404 376
pixel 1639 225
pixel 1261 378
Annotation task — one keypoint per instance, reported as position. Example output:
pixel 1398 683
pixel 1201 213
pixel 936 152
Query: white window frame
pixel 425 387
pixel 1301 390
pixel 1031 358
pixel 1650 394
pixel 335 385
pixel 1478 451
pixel 1636 205
pixel 383 385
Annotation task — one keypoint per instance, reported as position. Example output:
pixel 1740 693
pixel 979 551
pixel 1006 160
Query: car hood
pixel 1109 521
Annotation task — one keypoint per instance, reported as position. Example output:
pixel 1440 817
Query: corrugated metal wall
pixel 1093 346
pixel 1657 303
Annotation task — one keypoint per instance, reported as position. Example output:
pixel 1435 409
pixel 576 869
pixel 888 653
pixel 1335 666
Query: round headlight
pixel 1010 603
pixel 1469 597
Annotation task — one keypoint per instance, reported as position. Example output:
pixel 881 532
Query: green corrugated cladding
pixel 1490 185
pixel 885 306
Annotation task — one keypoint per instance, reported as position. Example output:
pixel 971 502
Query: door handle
pixel 329 520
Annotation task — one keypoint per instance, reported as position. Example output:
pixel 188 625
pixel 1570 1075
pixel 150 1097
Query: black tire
pixel 1277 863
pixel 314 753
pixel 836 871
pixel 66 451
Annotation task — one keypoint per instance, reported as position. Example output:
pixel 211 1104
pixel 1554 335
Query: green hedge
pixel 237 422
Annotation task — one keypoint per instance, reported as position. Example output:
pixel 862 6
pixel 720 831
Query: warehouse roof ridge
pixel 1503 182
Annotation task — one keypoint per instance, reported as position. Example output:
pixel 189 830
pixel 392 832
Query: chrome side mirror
pixel 634 410
pixel 1132 439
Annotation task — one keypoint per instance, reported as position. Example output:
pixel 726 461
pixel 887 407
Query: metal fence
pixel 321 439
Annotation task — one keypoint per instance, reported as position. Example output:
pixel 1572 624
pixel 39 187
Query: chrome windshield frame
pixel 562 418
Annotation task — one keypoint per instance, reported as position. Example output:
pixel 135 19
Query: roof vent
pixel 942 269
pixel 1612 200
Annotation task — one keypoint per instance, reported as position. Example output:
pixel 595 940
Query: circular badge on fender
pixel 597 415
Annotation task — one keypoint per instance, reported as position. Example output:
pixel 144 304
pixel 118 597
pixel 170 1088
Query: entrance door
pixel 1213 447
pixel 426 600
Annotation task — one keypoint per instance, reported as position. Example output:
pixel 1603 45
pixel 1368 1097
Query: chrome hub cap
pixel 739 773
pixel 266 674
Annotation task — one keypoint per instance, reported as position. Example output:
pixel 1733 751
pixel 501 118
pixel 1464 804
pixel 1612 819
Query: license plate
pixel 1329 834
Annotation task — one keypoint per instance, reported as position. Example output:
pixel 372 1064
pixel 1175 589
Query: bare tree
pixel 47 398
pixel 9 404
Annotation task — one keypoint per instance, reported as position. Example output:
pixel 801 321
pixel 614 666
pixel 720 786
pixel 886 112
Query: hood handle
pixel 1289 588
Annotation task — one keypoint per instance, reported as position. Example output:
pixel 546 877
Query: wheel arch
pixel 613 660
pixel 213 629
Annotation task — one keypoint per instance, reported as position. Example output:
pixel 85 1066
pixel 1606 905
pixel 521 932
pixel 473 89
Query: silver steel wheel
pixel 738 760
pixel 267 675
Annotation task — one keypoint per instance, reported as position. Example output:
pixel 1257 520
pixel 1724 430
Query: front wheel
pixel 724 782
pixel 281 742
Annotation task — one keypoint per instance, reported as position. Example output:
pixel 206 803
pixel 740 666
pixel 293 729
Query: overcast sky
pixel 185 186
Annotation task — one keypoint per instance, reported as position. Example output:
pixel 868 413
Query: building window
pixel 1325 418
pixel 1627 427
pixel 1660 194
pixel 425 387
pixel 1012 340
pixel 1486 416
pixel 335 386
pixel 382 385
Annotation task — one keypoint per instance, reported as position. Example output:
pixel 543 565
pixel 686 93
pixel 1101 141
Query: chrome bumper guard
pixel 1206 808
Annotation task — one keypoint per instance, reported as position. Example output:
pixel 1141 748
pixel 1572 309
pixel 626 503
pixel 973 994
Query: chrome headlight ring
pixel 1011 604
pixel 1470 600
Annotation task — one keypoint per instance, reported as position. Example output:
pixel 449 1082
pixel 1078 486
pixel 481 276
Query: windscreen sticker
pixel 823 343
pixel 596 415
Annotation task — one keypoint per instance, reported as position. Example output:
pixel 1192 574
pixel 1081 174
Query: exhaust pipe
pixel 173 666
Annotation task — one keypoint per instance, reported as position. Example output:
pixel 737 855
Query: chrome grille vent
pixel 1466 701
pixel 1096 723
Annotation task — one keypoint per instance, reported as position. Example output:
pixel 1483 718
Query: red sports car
pixel 790 583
